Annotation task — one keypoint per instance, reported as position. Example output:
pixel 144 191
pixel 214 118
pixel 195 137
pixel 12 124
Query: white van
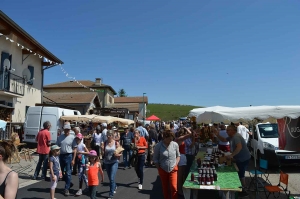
pixel 37 115
pixel 265 140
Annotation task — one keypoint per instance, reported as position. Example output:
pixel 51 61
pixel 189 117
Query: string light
pixel 79 83
pixel 29 50
pixel 50 61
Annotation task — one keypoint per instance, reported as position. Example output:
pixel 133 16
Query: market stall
pixel 211 171
pixel 253 115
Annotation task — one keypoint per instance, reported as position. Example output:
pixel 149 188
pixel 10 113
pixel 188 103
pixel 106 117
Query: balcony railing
pixel 12 83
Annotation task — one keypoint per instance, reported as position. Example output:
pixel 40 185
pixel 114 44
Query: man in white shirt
pixel 243 131
pixel 104 131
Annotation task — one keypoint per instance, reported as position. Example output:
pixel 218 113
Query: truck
pixel 265 140
pixel 37 115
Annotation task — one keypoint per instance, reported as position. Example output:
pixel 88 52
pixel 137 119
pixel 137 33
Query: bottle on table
pixel 215 176
pixel 208 180
pixel 199 178
pixel 192 177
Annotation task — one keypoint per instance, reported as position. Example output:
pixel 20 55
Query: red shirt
pixel 93 175
pixel 43 137
pixel 182 148
pixel 142 143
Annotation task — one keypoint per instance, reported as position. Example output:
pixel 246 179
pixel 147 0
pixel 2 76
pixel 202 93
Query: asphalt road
pixel 127 185
pixel 126 181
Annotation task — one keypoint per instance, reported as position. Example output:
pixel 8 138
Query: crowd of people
pixel 170 147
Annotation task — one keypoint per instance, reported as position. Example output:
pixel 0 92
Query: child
pixel 81 151
pixel 54 168
pixel 92 169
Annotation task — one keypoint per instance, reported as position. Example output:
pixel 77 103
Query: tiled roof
pixel 131 99
pixel 73 84
pixel 69 98
pixel 129 106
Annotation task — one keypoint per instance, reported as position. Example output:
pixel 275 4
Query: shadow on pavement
pixel 156 191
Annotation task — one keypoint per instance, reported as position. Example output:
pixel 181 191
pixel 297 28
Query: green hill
pixel 169 111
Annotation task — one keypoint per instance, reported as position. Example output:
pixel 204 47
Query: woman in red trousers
pixel 166 157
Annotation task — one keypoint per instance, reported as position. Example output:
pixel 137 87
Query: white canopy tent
pixel 197 111
pixel 248 114
pixel 97 119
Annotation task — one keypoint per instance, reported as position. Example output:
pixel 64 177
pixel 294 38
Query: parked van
pixel 265 141
pixel 37 115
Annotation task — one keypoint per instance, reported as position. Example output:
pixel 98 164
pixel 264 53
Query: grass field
pixel 169 111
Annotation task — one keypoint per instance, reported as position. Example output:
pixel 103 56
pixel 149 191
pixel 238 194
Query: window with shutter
pixel 31 69
pixel 4 74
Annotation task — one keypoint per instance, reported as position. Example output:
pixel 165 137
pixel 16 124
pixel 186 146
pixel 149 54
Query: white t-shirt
pixel 80 147
pixel 98 138
pixel 243 131
pixel 223 134
pixel 104 133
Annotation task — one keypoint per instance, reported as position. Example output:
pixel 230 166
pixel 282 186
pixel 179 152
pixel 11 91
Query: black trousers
pixel 189 162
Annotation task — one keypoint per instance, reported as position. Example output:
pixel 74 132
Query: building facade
pixel 136 105
pixel 104 92
pixel 21 70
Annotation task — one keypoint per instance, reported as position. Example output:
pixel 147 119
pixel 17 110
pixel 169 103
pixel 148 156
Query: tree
pixel 122 93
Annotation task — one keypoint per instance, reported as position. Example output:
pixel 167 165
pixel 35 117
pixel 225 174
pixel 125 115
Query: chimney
pixel 98 81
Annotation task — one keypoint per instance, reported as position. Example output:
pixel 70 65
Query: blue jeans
pixel 125 158
pixel 111 172
pixel 65 165
pixel 139 168
pixel 43 159
pixel 242 168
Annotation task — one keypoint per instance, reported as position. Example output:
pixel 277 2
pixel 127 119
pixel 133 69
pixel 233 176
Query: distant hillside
pixel 169 111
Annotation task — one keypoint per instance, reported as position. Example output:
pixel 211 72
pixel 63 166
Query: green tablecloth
pixel 228 179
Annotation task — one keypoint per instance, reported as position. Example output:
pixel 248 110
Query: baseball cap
pixel 104 124
pixel 67 126
pixel 54 147
pixel 79 135
pixel 93 153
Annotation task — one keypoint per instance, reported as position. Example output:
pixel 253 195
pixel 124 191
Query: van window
pixel 268 130
pixel 33 121
pixel 75 113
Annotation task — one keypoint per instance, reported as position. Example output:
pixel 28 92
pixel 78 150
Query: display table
pixel 228 181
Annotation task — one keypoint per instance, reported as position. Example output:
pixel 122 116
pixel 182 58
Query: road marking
pixel 27 183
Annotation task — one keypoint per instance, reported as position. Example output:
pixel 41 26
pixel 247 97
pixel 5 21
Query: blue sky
pixel 175 51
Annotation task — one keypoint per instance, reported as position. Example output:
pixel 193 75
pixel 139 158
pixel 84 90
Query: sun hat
pixel 114 128
pixel 93 153
pixel 79 135
pixel 54 147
